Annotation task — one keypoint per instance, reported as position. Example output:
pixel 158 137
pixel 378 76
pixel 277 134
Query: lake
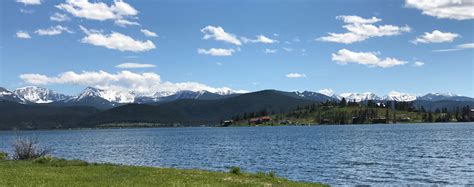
pixel 351 154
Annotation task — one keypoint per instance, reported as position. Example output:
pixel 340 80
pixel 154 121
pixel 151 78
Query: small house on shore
pixel 260 120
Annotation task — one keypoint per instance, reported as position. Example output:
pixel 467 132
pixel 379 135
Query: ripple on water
pixel 338 155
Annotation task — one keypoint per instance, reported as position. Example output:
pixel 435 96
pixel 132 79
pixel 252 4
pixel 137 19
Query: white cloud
pixel 26 11
pixel 361 29
pixel 218 33
pixel 259 39
pixel 466 46
pixel 219 63
pixel 23 35
pixel 29 2
pixel 435 37
pixel 147 83
pixel 98 10
pixel 457 48
pixel 370 59
pixel 56 30
pixel 125 23
pixel 418 64
pixel 358 20
pixel 450 9
pixel 148 33
pixel 295 75
pixel 116 41
pixel 59 17
pixel 216 52
pixel 327 92
pixel 134 65
pixel 288 49
pixel 270 51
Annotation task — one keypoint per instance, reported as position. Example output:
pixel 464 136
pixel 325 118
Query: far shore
pixel 154 125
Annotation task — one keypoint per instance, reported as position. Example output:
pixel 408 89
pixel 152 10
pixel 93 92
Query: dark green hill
pixel 19 116
pixel 198 112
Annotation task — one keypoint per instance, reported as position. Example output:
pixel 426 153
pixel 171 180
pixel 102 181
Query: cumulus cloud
pixel 55 30
pixel 98 10
pixel 216 52
pixel 449 9
pixel 435 37
pixel 370 59
pixel 418 64
pixel 295 75
pixel 29 2
pixel 115 41
pixel 218 33
pixel 148 33
pixel 259 39
pixel 147 83
pixel 134 65
pixel 23 35
pixel 457 48
pixel 59 17
pixel 125 23
pixel 326 91
pixel 360 29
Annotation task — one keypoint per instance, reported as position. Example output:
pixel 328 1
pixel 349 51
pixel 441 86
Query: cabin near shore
pixel 260 120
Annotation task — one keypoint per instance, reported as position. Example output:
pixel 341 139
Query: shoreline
pixel 236 126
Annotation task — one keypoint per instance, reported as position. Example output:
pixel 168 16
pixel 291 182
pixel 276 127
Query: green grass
pixel 60 172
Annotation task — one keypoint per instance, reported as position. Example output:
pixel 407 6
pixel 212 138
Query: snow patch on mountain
pixel 327 92
pixel 358 97
pixel 398 96
pixel 109 95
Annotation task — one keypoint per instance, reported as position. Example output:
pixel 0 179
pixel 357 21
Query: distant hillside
pixel 449 104
pixel 197 112
pixel 20 116
pixel 185 107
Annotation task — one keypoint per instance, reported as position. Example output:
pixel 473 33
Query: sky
pixel 338 46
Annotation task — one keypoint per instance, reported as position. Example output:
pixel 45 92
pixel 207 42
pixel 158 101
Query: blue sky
pixel 405 46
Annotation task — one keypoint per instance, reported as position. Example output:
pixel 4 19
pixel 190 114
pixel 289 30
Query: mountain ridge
pixel 109 98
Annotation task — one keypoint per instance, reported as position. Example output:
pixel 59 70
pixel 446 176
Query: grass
pixel 48 171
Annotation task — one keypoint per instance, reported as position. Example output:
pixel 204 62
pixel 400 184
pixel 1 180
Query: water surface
pixel 356 154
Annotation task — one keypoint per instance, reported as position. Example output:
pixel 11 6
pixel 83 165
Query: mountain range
pixel 40 108
pixel 108 98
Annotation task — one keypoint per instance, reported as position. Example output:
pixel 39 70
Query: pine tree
pixel 343 102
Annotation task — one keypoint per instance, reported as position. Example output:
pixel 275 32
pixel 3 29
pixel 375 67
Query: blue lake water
pixel 356 154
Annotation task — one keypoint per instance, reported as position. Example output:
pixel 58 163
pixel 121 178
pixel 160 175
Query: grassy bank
pixel 60 172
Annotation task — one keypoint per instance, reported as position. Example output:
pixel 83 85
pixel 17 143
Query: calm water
pixel 362 154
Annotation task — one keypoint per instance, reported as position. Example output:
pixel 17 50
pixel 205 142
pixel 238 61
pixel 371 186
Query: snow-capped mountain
pixel 8 95
pixel 109 98
pixel 203 95
pixel 397 96
pixel 358 97
pixel 124 97
pixel 314 96
pixel 109 95
pixel 35 94
pixel 444 96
